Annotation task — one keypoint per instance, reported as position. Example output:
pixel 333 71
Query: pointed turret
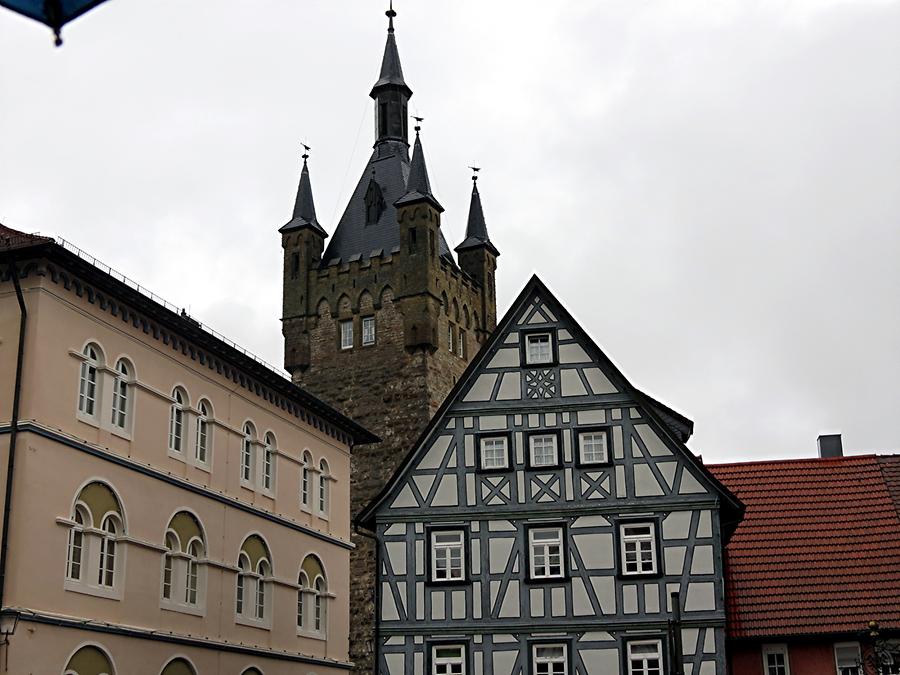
pixel 418 187
pixel 476 228
pixel 304 207
pixel 391 93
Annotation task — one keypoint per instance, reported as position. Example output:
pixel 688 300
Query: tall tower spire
pixel 304 207
pixel 476 228
pixel 418 187
pixel 391 92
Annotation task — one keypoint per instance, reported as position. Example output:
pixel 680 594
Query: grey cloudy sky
pixel 711 187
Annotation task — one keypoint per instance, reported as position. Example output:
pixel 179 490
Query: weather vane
pixel 419 121
pixel 390 14
pixel 306 150
pixel 475 170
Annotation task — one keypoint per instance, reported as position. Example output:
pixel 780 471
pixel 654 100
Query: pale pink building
pixel 175 506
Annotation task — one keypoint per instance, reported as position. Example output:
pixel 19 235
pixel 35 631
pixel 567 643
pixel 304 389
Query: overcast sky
pixel 711 187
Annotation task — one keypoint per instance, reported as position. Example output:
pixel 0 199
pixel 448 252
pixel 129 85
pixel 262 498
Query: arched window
pixel 312 611
pixel 183 568
pixel 97 525
pixel 254 582
pixel 324 480
pixel 179 666
pixel 268 477
pixel 89 660
pixel 306 479
pixel 247 452
pixel 303 583
pixel 121 402
pixel 202 442
pixel 176 420
pixel 88 390
pixel 252 671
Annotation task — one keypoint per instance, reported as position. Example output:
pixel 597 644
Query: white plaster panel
pixel 420 556
pixel 446 494
pixel 605 590
pixel 435 455
pixel 702 560
pixel 590 521
pixel 572 353
pixel 567 445
pixel 620 481
pixel 689 641
pixel 510 387
pixel 492 422
pixel 499 549
pixel 652 442
pixel 617 413
pixel 469 443
pixel 570 490
pixel 563 334
pixel 479 658
pixel 629 599
pixel 596 637
pixel 388 608
pixel 708 668
pixel 476 556
pixel 471 498
pixel 517 439
pixel 558 601
pixel 704 527
pixel 598 382
pixel 469 422
pixel 618 443
pixel 504 662
pixel 570 383
pixel 458 604
pixel 395 663
pixel 438 606
pixel 537 602
pixel 591 417
pixel 667 469
pixel 481 390
pixel 689 484
pixel 700 596
pixel 396 529
pixel 534 421
pixel 401 593
pixel 396 641
pixel 405 499
pixel 500 526
pixel 550 419
pixel 651 598
pixel 418 659
pixel 547 312
pixel 420 601
pixel 537 318
pixel 520 483
pixel 675 559
pixel 709 641
pixel 601 661
pixel 645 483
pixel 509 608
pixel 677 525
pixel 505 358
pixel 512 338
pixel 396 553
pixel 597 550
pixel 476 599
pixel 451 424
pixel 581 602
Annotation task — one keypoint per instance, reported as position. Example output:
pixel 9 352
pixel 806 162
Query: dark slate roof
pixel 304 208
pixel 391 71
pixel 818 550
pixel 389 167
pixel 418 187
pixel 476 228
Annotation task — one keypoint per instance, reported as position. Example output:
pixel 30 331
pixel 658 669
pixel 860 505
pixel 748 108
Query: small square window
pixel 448 660
pixel 593 447
pixel 538 348
pixel 543 450
pixel 368 331
pixel 494 453
pixel 347 334
pixel 638 543
pixel 645 657
pixel 775 660
pixel 550 659
pixel 448 555
pixel 545 545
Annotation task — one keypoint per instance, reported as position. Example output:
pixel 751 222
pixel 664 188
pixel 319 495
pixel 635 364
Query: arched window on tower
pixel 374 201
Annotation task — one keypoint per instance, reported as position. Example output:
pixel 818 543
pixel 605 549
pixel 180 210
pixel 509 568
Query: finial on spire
pixel 475 170
pixel 390 14
pixel 306 150
pixel 418 126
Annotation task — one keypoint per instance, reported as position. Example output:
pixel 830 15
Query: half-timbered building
pixel 550 521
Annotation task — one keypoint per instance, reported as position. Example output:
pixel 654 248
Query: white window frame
pixel 323 493
pixel 531 455
pixel 121 396
pixel 461 343
pixel 853 669
pixel 484 440
pixel 177 422
pixel 451 332
pixel 537 660
pixel 582 459
pixel 444 551
pixel 638 540
pixel 781 649
pixel 89 382
pixel 547 553
pixel 536 357
pixel 203 433
pixel 269 460
pixel 643 667
pixel 248 453
pixel 443 665
pixel 307 472
pixel 346 334
pixel 368 331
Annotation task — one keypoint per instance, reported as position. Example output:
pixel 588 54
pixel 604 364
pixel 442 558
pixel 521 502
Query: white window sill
pixel 262 624
pixel 312 635
pixel 120 432
pixel 175 454
pixel 193 610
pixel 305 508
pixel 202 466
pixel 87 419
pixel 113 593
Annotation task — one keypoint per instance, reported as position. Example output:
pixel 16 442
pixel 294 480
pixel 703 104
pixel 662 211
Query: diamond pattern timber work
pixel 540 383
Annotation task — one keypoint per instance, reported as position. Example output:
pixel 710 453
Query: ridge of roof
pixel 798 460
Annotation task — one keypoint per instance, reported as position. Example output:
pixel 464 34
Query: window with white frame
pixel 543 450
pixel 202 441
pixel 93 559
pixel 302 592
pixel 368 331
pixel 176 420
pixel 448 555
pixel 545 546
pixel 346 334
pixel 638 544
pixel 247 453
pixel 268 469
pixel 494 452
pixel 448 660
pixel 645 657
pixel 243 583
pixel 550 659
pixel 253 584
pixel 592 447
pixel 451 332
pixel 121 402
pixel 88 388
pixel 320 606
pixel 312 598
pixel 775 660
pixel 306 479
pixel 172 548
pixel 461 344
pixel 538 348
pixel 263 572
pixel 110 530
pixel 75 557
pixel 183 573
pixel 324 488
pixel 847 658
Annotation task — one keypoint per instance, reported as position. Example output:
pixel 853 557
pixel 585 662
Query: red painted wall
pixel 807 658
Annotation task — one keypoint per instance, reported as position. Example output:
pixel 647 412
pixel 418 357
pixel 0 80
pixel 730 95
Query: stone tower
pixel 382 321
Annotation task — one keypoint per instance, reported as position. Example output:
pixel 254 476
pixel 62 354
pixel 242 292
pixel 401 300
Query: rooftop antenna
pixel 475 170
pixel 390 14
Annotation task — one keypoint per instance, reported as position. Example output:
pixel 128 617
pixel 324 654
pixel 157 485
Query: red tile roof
pixel 818 550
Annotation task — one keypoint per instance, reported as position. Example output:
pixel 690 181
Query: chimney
pixel 830 446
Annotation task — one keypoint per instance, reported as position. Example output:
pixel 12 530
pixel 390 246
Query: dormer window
pixel 538 348
pixel 374 200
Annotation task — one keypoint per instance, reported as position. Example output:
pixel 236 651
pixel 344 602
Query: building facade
pixel 814 568
pixel 383 320
pixel 172 505
pixel 550 521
